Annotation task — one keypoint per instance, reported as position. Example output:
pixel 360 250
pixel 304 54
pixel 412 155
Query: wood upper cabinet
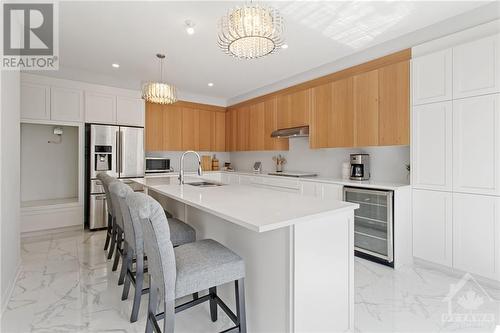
pixel 190 129
pixel 231 128
pixel 219 131
pixel 250 127
pixel 242 129
pixel 270 125
pixel 154 127
pixel 322 104
pixel 394 104
pixel 206 125
pixel 256 136
pixel 172 128
pixel 340 121
pixel 294 109
pixel 366 124
pixel 332 115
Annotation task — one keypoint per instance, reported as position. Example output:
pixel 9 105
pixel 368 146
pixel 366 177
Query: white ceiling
pixel 93 35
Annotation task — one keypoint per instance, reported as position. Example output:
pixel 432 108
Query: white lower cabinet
pixel 249 180
pixel 310 189
pixel 213 176
pixel 332 191
pixel 458 230
pixel 282 184
pixel 322 190
pixel 476 234
pixel 230 178
pixel 432 226
pixel 476 145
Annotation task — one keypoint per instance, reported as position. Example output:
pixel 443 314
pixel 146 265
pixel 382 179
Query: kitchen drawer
pixel 244 179
pixel 282 183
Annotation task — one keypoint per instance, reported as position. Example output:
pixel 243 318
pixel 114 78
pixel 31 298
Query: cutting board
pixel 206 163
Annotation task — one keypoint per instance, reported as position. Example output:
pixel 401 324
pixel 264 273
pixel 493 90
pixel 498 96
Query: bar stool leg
pixel 213 303
pixel 128 268
pixel 119 239
pixel 152 307
pixel 239 289
pixel 123 270
pixel 113 241
pixel 139 277
pixel 109 231
pixel 126 282
pixel 169 321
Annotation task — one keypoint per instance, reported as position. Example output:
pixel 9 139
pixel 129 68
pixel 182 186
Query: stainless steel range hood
pixel 292 132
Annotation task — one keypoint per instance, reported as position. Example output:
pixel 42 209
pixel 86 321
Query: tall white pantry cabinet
pixel 456 157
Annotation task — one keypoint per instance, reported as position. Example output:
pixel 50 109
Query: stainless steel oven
pixel 157 165
pixel 373 223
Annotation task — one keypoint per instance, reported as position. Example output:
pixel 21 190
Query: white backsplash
pixel 190 162
pixel 388 164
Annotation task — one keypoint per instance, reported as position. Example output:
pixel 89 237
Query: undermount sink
pixel 204 184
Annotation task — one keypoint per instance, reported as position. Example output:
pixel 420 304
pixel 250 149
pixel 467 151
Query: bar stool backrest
pixel 119 192
pixel 105 180
pixel 157 245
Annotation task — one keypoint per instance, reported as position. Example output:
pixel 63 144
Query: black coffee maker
pixel 360 167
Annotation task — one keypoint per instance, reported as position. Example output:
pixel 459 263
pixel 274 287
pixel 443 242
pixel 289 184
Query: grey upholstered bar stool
pixel 118 228
pixel 186 269
pixel 110 230
pixel 132 249
pixel 133 245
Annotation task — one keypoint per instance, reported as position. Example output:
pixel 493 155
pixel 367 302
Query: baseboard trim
pixel 49 232
pixel 456 273
pixel 10 289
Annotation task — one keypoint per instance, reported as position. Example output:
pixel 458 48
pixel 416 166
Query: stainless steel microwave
pixel 157 165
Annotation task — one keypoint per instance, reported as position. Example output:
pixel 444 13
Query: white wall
pixel 190 162
pixel 10 181
pixel 387 163
pixel 48 171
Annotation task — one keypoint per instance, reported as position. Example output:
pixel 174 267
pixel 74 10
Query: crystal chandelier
pixel 251 31
pixel 159 92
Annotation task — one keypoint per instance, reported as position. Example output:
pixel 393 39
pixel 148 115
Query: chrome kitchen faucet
pixel 181 169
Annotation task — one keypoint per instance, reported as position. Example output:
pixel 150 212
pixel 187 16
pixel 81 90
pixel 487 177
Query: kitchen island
pixel 298 251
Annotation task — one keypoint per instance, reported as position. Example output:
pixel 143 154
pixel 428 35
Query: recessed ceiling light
pixel 189 27
pixel 284 46
pixel 116 65
pixel 210 84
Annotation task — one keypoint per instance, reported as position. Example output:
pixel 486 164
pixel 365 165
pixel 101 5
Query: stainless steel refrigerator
pixel 116 150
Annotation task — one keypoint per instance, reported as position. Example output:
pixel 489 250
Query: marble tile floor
pixel 66 285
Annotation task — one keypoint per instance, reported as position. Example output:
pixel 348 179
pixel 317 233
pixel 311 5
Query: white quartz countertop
pixel 346 182
pixel 255 208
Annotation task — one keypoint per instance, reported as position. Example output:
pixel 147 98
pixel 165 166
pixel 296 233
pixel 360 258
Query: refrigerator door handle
pixel 120 136
pixel 117 159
